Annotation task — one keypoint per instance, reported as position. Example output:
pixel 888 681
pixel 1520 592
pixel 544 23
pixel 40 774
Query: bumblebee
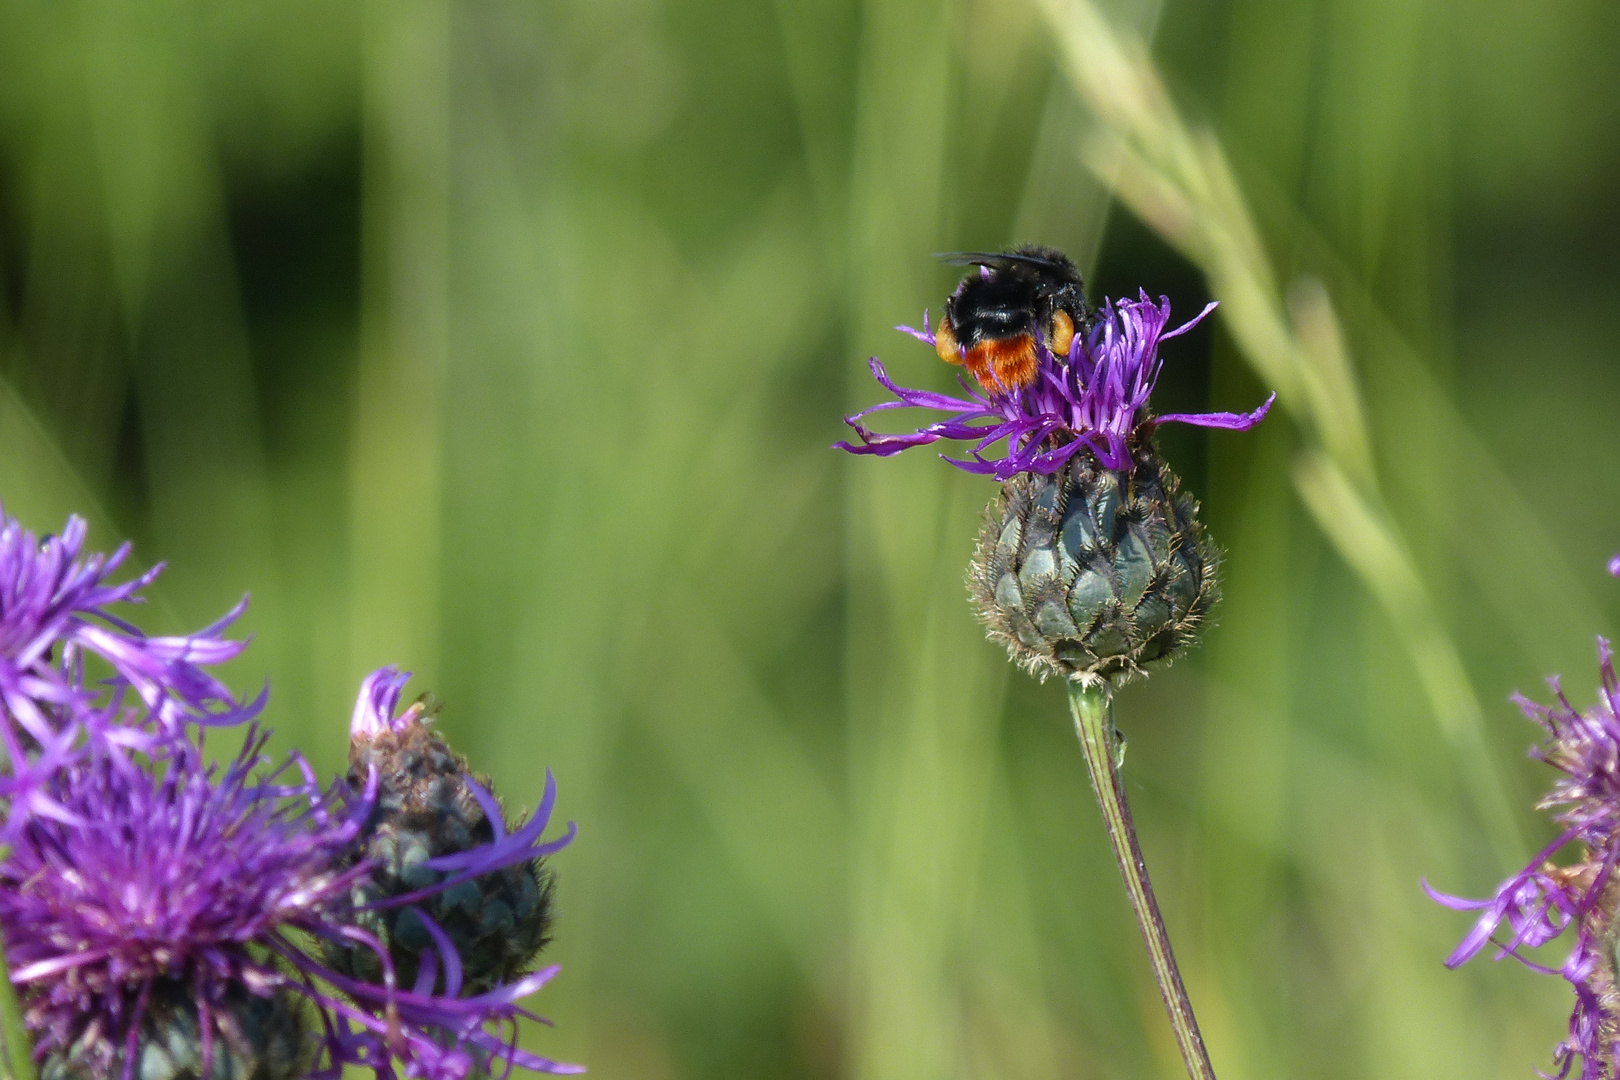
pixel 995 317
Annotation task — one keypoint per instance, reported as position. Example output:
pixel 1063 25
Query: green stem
pixel 1093 709
pixel 19 1051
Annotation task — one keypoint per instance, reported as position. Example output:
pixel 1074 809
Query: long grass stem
pixel 1093 709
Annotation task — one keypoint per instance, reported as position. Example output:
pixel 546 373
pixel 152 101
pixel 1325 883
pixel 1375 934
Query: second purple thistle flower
pixel 1091 563
pixel 1546 900
pixel 169 917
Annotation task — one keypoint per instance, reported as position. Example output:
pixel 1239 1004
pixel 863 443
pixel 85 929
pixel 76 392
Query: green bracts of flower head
pixel 253 1038
pixel 1092 572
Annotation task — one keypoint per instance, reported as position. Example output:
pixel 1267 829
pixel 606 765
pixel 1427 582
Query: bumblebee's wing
pixel 995 260
pixel 1051 262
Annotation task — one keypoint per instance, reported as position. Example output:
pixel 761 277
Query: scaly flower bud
pixel 246 1038
pixel 439 847
pixel 1093 572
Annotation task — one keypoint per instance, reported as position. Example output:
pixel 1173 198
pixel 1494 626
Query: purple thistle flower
pixel 1094 398
pixel 54 612
pixel 172 876
pixel 1543 900
pixel 165 880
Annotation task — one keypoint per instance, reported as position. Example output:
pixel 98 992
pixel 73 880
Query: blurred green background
pixel 505 341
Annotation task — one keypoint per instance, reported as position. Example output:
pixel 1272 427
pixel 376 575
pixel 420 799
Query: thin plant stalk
pixel 19 1050
pixel 1093 707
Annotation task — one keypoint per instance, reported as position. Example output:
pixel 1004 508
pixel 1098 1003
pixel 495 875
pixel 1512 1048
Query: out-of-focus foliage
pixel 505 341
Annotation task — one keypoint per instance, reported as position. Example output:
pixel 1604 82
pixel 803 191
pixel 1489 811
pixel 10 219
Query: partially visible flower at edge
pixel 160 880
pixel 176 878
pixel 1094 398
pixel 54 609
pixel 1542 901
pixel 150 897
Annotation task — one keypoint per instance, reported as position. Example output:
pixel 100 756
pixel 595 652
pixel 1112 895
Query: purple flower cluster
pixel 150 877
pixel 1095 398
pixel 138 869
pixel 1542 901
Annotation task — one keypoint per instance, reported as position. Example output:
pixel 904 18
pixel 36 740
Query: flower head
pixel 1094 397
pixel 1542 901
pixel 168 916
pixel 177 878
pixel 443 860
pixel 169 900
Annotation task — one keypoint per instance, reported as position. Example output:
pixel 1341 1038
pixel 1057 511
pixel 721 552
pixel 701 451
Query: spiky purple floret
pixel 1540 902
pixel 54 612
pixel 1094 398
pixel 376 706
pixel 169 869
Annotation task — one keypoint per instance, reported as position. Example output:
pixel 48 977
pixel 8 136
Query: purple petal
pixel 923 399
pixel 378 698
pixel 447 951
pixel 1190 323
pixel 1229 420
pixel 886 445
pixel 925 335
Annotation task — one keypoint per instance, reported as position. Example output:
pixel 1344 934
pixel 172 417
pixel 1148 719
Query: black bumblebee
pixel 993 319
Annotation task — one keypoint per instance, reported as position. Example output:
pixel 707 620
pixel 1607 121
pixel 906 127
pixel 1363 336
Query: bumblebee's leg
pixel 1061 334
pixel 945 343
